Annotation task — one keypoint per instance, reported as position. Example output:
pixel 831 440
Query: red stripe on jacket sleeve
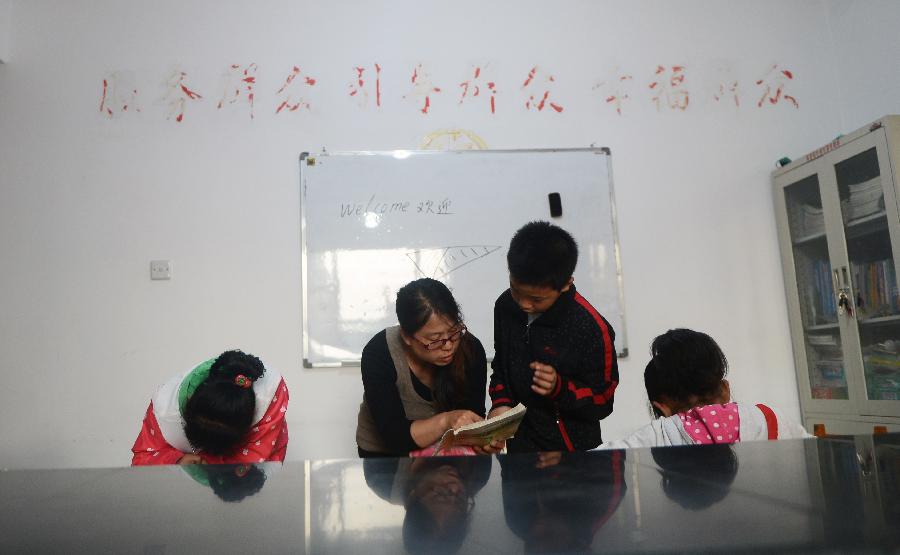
pixel 557 388
pixel 600 398
pixel 604 332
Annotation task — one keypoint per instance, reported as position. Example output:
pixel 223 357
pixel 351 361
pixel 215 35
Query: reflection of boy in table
pixel 557 502
pixel 554 352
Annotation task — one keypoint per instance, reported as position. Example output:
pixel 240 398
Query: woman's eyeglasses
pixel 439 343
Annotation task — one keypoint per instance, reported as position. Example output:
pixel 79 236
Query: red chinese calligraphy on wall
pixel 478 86
pixel 178 94
pixel 728 90
pixel 538 86
pixel 422 87
pixel 359 87
pixel 668 88
pixel 615 90
pixel 119 95
pixel 772 86
pixel 239 83
pixel 292 91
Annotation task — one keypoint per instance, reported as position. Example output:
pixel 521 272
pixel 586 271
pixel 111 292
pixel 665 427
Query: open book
pixel 499 428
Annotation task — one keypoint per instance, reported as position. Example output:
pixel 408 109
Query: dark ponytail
pixel 685 364
pixel 219 414
pixel 416 302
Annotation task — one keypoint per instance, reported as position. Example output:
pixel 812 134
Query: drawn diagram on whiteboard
pixel 439 262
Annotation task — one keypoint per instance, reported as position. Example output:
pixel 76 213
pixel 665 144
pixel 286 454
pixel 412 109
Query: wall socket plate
pixel 160 269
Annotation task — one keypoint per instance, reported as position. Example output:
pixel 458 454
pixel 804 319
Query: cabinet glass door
pixel 815 285
pixel 868 205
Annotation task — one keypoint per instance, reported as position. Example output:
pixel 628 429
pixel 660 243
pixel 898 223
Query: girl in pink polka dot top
pixel 691 399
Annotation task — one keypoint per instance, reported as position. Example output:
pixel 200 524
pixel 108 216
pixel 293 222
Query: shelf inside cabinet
pixel 873 223
pixel 880 320
pixel 822 327
pixel 810 239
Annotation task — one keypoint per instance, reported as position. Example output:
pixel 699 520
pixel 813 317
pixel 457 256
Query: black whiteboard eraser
pixel 555 205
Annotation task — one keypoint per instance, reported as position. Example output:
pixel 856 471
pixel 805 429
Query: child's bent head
pixel 687 370
pixel 543 255
pixel 219 414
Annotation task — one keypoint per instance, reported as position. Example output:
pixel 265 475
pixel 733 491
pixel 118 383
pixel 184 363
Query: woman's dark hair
pixel 416 302
pixel 220 412
pixel 422 532
pixel 233 483
pixel 685 364
pixel 543 255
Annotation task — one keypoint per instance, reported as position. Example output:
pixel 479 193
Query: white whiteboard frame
pixel 402 154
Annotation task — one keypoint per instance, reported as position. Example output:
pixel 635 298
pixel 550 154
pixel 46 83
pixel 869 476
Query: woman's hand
pixel 426 432
pixel 459 418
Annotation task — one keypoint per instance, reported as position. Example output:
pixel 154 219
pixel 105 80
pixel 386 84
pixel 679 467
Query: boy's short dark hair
pixel 542 254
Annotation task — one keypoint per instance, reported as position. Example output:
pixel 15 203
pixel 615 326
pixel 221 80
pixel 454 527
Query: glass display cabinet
pixel 839 230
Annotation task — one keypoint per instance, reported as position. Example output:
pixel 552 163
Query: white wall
pixel 5 26
pixel 88 200
pixel 866 58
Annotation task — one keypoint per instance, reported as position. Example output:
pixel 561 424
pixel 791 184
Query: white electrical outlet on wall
pixel 160 269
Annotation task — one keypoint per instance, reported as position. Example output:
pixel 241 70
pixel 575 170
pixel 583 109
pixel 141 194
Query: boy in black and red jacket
pixel 554 352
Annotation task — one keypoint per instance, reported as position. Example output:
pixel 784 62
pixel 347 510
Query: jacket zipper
pixel 562 431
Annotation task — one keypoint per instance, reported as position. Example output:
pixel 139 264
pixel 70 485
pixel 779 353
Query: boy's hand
pixel 495 446
pixel 544 380
pixel 497 411
pixel 548 459
pixel 492 448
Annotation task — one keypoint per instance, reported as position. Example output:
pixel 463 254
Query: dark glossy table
pixel 835 495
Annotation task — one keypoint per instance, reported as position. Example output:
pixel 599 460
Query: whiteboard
pixel 373 221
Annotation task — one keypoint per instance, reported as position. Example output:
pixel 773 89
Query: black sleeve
pixel 476 378
pixel 380 386
pixel 380 474
pixel 589 388
pixel 499 390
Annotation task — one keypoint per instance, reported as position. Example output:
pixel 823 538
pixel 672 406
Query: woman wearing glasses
pixel 421 377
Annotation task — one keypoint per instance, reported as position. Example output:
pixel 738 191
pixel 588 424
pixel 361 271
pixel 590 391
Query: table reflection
pixel 437 493
pixel 230 483
pixel 556 502
pixel 801 496
pixel 681 468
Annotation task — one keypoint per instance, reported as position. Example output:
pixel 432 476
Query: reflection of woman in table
pixel 556 502
pixel 438 494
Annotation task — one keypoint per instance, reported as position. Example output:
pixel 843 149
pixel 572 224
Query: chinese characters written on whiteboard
pixel 381 207
pixel 537 90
